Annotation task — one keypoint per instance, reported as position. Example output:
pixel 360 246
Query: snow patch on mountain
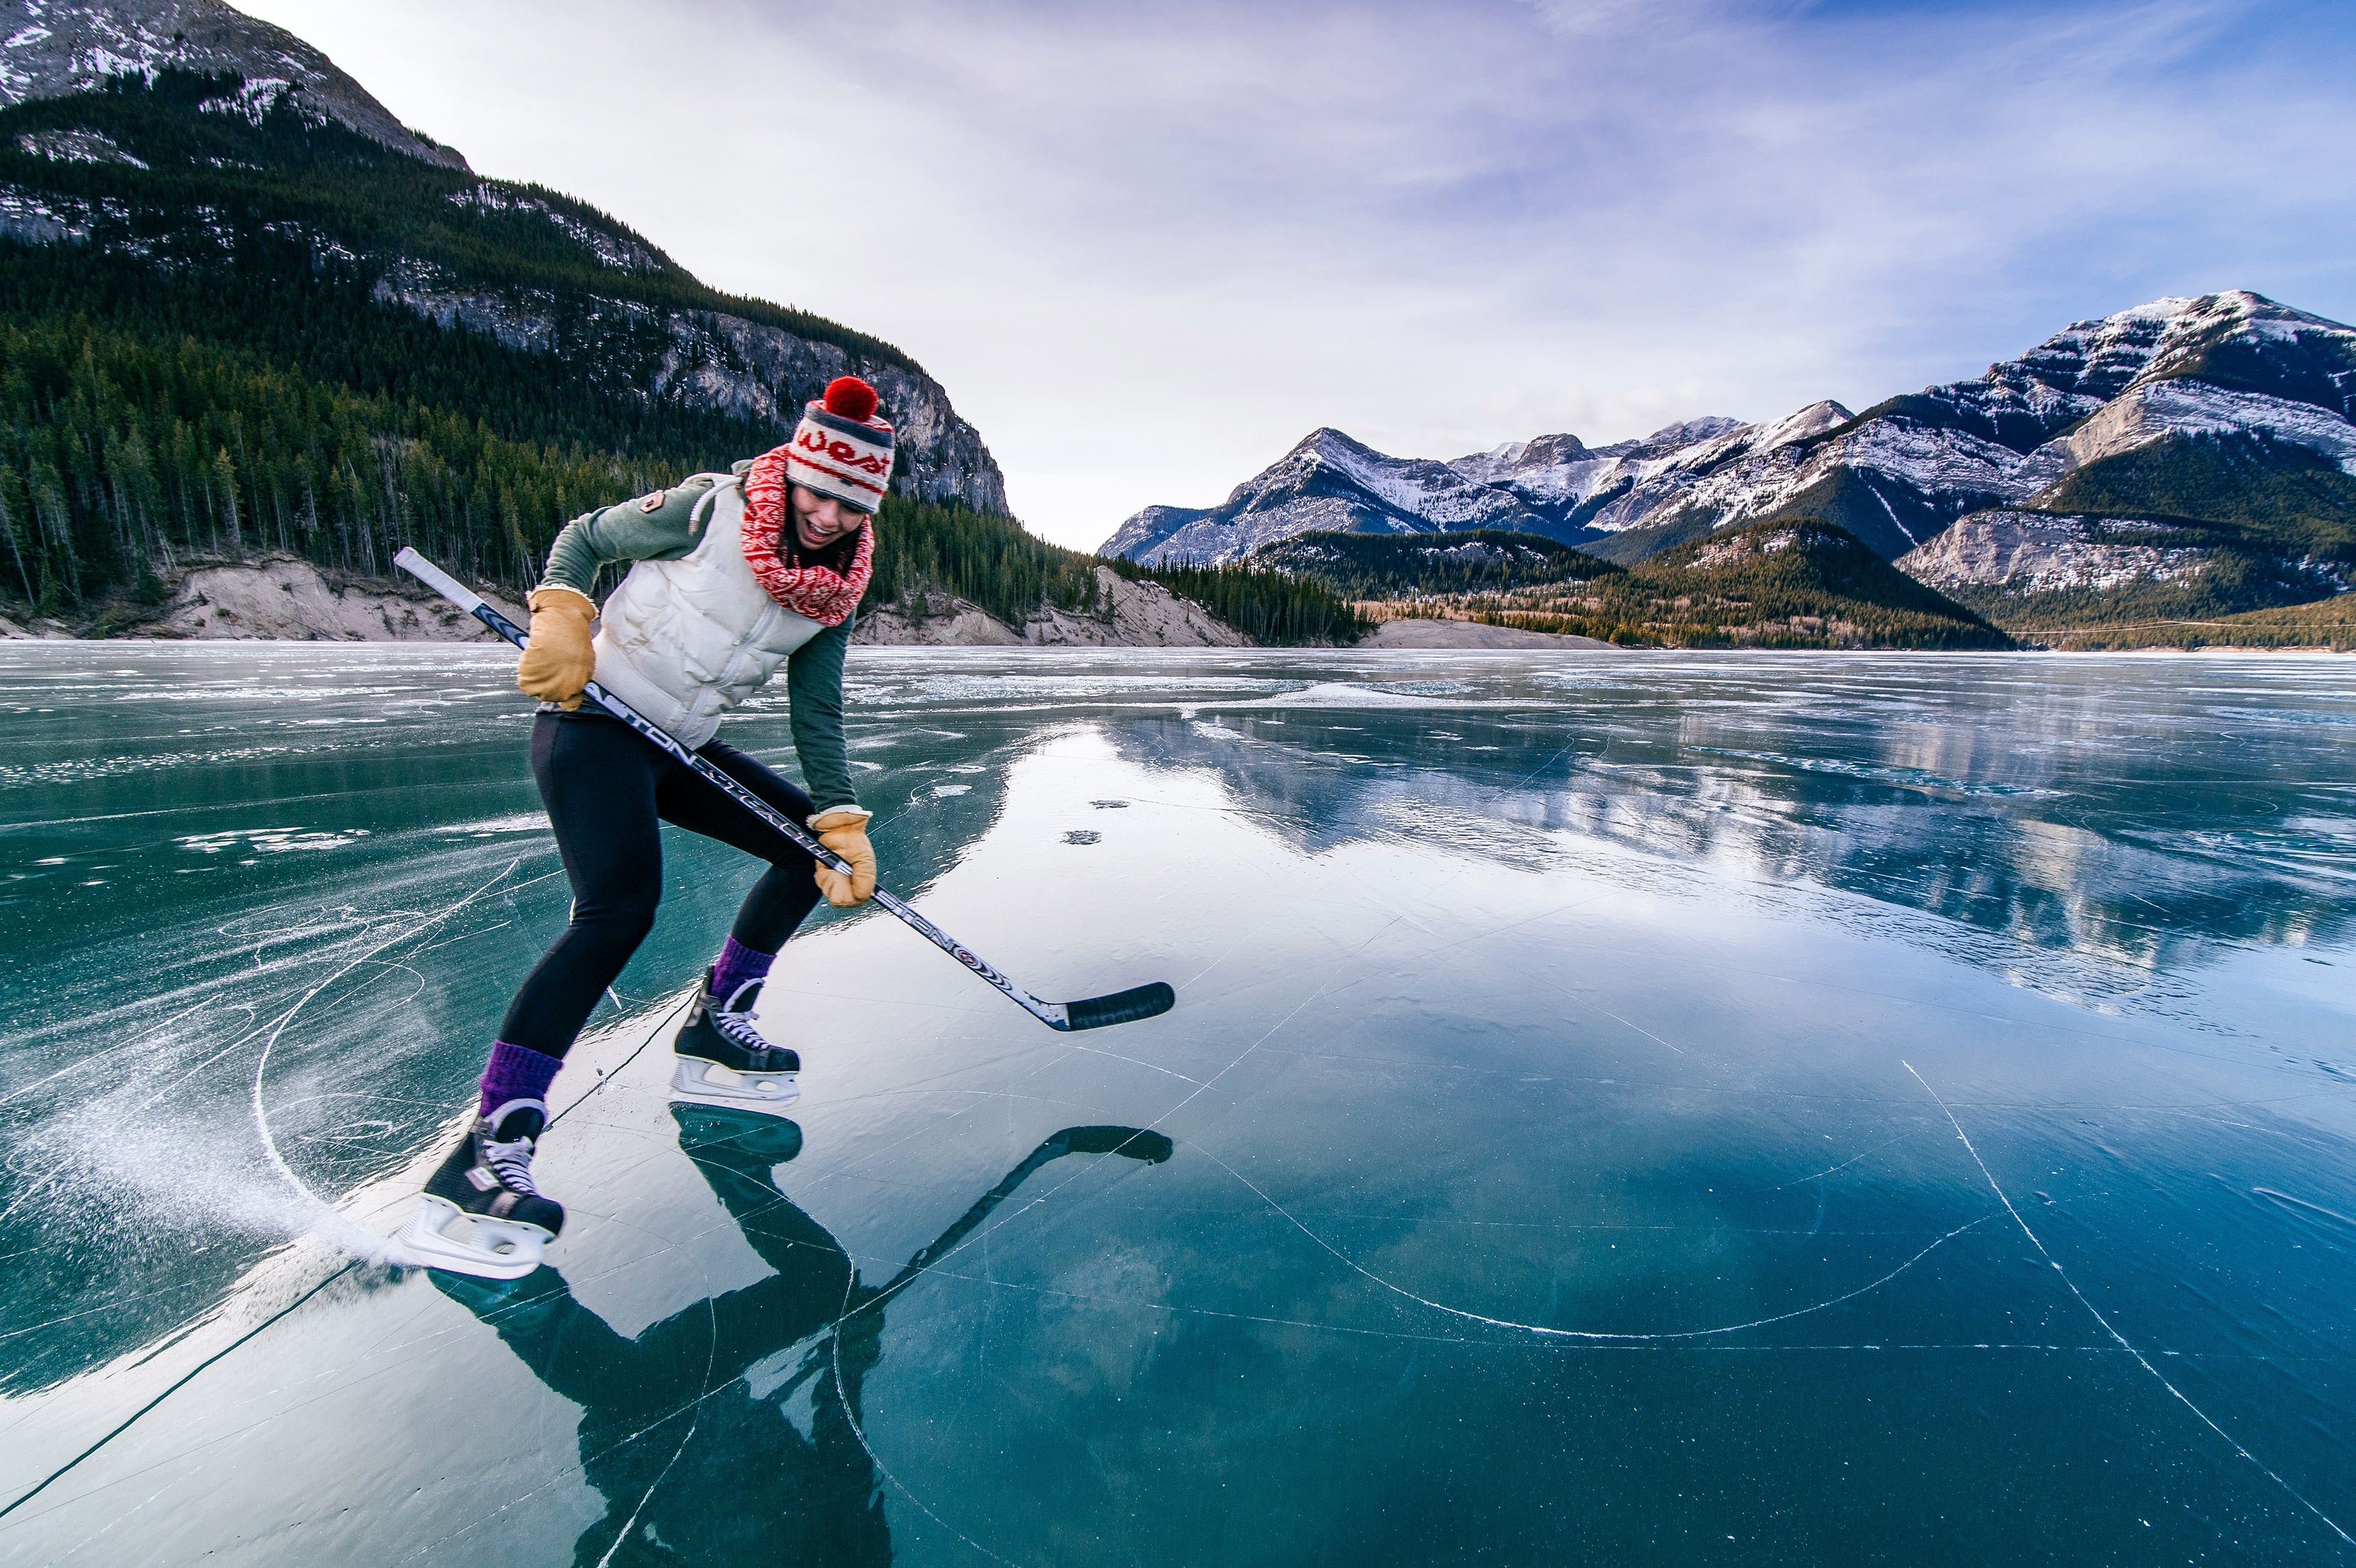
pixel 1995 439
pixel 257 97
pixel 76 147
pixel 43 217
pixel 1945 460
pixel 2158 410
pixel 1547 469
pixel 1413 490
pixel 619 251
pixel 1326 482
pixel 1746 547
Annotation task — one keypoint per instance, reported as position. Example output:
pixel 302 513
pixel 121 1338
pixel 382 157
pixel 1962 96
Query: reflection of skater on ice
pixel 689 1431
pixel 734 575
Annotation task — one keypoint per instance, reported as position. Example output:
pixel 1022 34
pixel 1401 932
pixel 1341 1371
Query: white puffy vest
pixel 684 641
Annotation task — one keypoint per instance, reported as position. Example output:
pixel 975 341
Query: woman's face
pixel 820 521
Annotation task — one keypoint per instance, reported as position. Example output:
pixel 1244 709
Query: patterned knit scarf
pixel 820 592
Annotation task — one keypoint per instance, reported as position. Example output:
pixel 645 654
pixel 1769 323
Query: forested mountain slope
pixel 232 322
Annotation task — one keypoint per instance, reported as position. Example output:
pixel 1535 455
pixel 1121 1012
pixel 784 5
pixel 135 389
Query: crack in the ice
pixel 2097 1314
pixel 711 1359
pixel 1844 1165
pixel 851 1416
pixel 1632 1344
pixel 1545 1329
pixel 183 1381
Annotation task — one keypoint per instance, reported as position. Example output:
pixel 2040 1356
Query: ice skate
pixel 480 1213
pixel 722 1061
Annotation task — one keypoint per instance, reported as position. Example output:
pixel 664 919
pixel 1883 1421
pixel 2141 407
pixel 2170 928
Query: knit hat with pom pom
pixel 840 448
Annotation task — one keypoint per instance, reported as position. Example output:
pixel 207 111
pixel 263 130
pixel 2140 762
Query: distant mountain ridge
pixel 1331 483
pixel 2174 409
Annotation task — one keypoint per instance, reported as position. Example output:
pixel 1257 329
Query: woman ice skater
pixel 735 574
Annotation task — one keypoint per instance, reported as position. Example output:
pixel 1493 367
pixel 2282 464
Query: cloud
pixel 1147 248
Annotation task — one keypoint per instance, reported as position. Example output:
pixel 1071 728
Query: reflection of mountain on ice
pixel 1913 822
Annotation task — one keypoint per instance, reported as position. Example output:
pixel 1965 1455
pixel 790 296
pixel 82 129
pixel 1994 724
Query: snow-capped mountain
pixel 1331 481
pixel 2231 366
pixel 2223 369
pixel 1328 481
pixel 58 47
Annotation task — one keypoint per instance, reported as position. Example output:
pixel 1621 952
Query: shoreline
pixel 12 640
pixel 284 598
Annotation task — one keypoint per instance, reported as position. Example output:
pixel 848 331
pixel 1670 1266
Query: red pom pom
pixel 850 397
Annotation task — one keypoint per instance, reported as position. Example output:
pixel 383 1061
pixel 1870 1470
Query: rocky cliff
pixel 709 360
pixel 2039 571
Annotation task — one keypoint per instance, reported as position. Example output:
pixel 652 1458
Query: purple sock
pixel 516 1073
pixel 737 964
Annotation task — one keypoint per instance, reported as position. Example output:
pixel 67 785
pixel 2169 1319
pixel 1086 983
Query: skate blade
pixel 500 1249
pixel 700 1082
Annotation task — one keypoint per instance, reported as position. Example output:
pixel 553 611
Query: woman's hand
pixel 559 662
pixel 843 829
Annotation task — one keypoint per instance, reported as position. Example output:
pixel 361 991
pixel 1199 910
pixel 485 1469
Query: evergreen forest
pixel 1265 604
pixel 1388 565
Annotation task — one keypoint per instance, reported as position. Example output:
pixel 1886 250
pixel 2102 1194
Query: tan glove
pixel 843 829
pixel 558 664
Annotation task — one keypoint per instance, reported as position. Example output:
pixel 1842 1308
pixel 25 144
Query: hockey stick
pixel 1088 1013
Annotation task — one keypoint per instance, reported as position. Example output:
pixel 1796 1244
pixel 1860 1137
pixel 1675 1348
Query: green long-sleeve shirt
pixel 813 671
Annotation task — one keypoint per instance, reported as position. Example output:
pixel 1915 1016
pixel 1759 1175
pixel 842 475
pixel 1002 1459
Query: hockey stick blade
pixel 1120 1006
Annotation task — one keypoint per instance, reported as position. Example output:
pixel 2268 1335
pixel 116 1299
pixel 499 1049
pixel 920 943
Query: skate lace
pixel 512 1163
pixel 737 1030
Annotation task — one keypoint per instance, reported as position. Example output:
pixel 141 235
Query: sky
pixel 1147 248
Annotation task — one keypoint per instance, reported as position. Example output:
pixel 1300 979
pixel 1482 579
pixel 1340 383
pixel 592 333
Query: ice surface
pixel 1620 1108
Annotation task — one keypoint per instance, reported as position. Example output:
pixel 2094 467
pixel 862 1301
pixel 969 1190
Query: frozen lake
pixel 1620 1109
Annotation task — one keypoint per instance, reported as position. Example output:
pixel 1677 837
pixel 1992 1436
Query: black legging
pixel 606 785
